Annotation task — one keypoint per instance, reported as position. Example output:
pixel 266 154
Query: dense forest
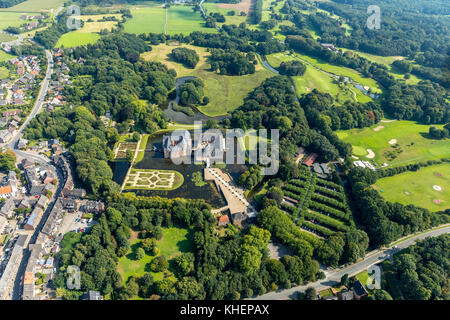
pixel 422 271
pixel 231 267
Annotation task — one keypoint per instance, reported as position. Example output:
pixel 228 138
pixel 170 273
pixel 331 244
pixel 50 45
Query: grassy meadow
pixel 226 93
pixel 174 242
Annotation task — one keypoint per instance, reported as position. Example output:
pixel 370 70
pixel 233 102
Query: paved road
pixel 38 104
pixel 333 276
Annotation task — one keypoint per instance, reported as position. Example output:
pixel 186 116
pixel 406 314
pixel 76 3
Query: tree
pixel 135 137
pixel 380 294
pixel 140 253
pixel 344 280
pixel 310 294
pixel 159 264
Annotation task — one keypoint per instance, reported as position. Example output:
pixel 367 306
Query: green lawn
pixel 411 139
pixel 76 38
pixel 226 93
pixel 174 242
pixel 129 184
pixel 417 187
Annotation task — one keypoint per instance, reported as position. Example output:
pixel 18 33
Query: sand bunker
pixel 387 121
pixel 378 128
pixel 355 157
pixel 437 188
pixel 370 154
pixel 393 141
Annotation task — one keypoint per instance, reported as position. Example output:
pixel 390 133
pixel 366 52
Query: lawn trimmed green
pixel 182 19
pixel 178 179
pixel 226 93
pixel 405 132
pixel 4 73
pixel 363 277
pixel 417 187
pixel 174 242
pixel 76 39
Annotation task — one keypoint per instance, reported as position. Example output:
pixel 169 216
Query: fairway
pixel 219 7
pixel 417 187
pixel 316 79
pixel 173 243
pixel 412 144
pixel 226 93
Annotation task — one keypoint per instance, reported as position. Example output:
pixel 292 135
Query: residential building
pixel 224 220
pixel 33 219
pixel 8 207
pixel 6 191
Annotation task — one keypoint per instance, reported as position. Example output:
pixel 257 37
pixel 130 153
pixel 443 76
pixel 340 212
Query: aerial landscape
pixel 250 150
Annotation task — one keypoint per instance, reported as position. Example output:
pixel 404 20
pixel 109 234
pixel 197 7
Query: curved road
pixel 334 275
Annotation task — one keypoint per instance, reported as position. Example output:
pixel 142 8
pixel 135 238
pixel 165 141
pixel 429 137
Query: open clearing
pixel 224 8
pixel 417 187
pixel 173 243
pixel 226 93
pixel 412 143
pixel 147 179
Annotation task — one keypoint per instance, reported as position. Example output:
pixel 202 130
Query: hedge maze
pixel 317 205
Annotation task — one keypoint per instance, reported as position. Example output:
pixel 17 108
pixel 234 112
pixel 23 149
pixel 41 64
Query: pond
pixel 180 117
pixel 154 159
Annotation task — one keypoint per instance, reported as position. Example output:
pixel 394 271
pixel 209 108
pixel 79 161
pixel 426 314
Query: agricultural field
pixel 428 187
pixel 146 19
pixel 76 39
pixel 319 204
pixel 176 19
pixel 36 6
pixel 89 33
pixel 397 142
pixel 219 8
pixel 174 242
pixel 226 93
pixel 147 179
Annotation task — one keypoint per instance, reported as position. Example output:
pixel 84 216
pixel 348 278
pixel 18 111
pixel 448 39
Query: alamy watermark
pixel 73 278
pixel 374 20
pixel 73 13
pixel 211 146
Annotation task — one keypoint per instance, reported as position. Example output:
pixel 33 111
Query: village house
pixel 5 136
pixel 7 210
pixel 94 207
pixel 33 219
pixel 6 191
pixel 223 220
